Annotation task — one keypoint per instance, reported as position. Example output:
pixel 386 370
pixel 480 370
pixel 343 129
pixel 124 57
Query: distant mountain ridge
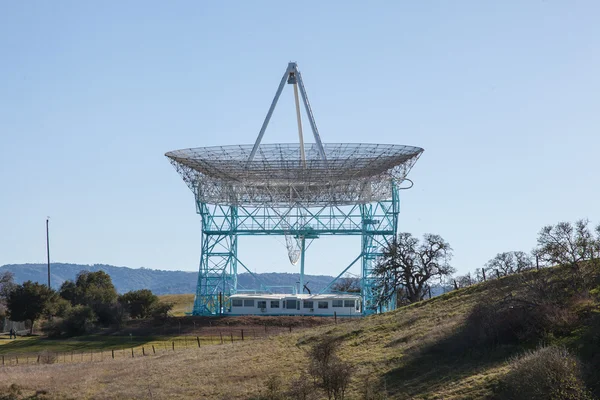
pixel 159 281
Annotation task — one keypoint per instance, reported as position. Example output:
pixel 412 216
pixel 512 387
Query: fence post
pixel 17 358
pixel 71 355
pixel 483 273
pixel 334 319
pixel 2 360
pixel 291 328
pixel 198 339
pixel 231 334
pixel 221 334
pixel 153 350
pixel 173 345
pixel 537 262
pixel 242 335
pixel 113 353
pixel 37 360
pixel 132 356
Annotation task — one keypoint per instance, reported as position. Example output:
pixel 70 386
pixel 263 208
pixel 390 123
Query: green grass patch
pixel 35 344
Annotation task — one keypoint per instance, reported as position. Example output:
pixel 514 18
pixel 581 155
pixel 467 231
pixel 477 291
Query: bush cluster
pixel 547 373
pixel 326 371
pixel 512 322
pixel 91 300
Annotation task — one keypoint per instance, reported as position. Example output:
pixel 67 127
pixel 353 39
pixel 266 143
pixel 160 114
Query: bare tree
pixel 348 284
pixel 464 281
pixel 409 264
pixel 328 370
pixel 567 244
pixel 7 284
pixel 508 263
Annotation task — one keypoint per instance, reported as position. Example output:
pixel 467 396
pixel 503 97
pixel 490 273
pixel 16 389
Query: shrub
pixel 13 393
pixel 498 323
pixel 59 307
pixel 53 328
pixel 47 357
pixel 589 350
pixel 329 372
pixel 161 310
pixel 369 390
pixel 119 315
pixel 301 388
pixel 515 320
pixel 547 373
pixel 337 378
pixel 78 321
pixel 139 303
pixel 273 388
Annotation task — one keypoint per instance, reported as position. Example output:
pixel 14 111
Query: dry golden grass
pixel 219 372
pixel 386 348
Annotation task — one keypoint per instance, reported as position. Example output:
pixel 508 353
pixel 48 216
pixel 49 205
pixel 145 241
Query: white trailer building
pixel 343 305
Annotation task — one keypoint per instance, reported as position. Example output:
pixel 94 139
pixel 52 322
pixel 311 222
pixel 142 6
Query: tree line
pixel 410 266
pixel 78 306
pixel 405 273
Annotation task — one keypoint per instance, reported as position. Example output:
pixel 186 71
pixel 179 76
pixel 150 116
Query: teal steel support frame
pixel 376 223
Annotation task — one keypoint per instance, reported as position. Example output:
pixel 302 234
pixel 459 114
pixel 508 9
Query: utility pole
pixel 48 248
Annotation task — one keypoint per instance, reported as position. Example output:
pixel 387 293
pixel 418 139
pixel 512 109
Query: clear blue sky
pixel 504 96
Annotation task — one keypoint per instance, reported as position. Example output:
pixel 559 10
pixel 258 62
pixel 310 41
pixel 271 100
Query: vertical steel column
pixel 368 297
pixel 218 259
pixel 380 224
pixel 302 249
pixel 233 260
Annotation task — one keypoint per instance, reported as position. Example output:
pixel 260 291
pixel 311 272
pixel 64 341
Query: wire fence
pixel 139 347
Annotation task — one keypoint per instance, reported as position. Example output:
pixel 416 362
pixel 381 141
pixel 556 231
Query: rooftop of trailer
pixel 268 296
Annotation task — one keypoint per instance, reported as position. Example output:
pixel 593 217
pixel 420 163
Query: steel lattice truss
pixel 276 176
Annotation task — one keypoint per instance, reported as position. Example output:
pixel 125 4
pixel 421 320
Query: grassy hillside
pixel 440 348
pixel 182 303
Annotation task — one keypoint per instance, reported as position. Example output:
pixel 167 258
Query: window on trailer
pixel 337 303
pixel 248 302
pixel 237 303
pixel 308 304
pixel 274 303
pixel 323 304
pixel 290 304
pixel 348 303
pixel 261 304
